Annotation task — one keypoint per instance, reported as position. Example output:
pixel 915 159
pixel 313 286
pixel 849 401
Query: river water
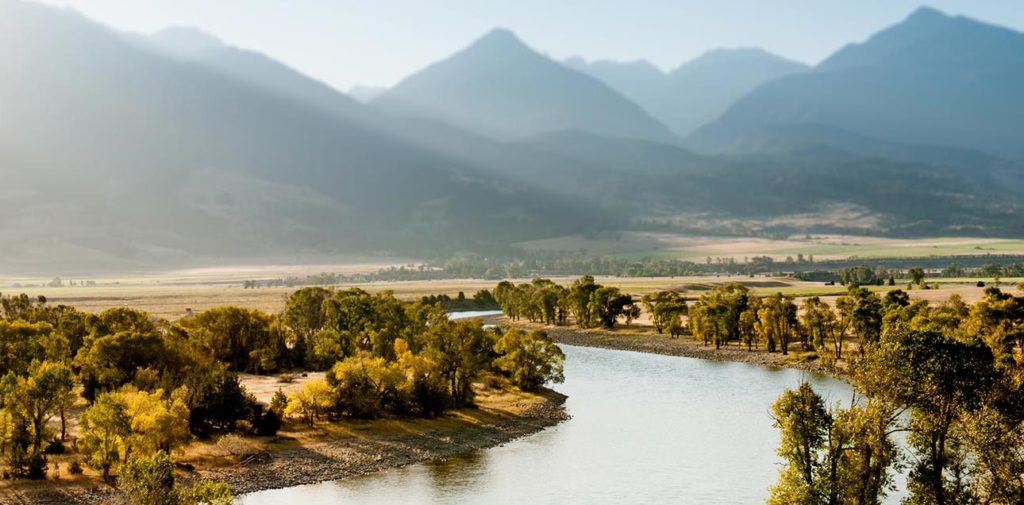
pixel 645 429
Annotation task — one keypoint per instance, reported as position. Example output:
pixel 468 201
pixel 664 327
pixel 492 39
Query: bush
pixel 265 422
pixel 56 446
pixel 75 468
pixel 236 446
pixel 37 467
pixel 207 492
pixel 149 481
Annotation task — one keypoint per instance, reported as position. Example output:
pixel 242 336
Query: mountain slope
pixel 501 87
pixel 931 80
pixel 697 92
pixel 117 154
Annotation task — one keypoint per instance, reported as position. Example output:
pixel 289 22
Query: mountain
pixel 932 79
pixel 117 155
pixel 500 87
pixel 195 46
pixel 697 92
pixel 185 41
pixel 365 94
pixel 639 80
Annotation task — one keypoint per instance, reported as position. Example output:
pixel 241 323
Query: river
pixel 645 429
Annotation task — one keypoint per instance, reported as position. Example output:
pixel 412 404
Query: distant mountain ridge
pixel 176 148
pixel 698 91
pixel 932 79
pixel 114 154
pixel 502 88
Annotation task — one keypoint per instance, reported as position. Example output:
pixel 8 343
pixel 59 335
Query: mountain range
pixel 501 87
pixel 697 92
pixel 129 151
pixel 931 80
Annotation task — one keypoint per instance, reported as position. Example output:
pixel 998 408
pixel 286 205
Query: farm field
pixel 822 247
pixel 173 301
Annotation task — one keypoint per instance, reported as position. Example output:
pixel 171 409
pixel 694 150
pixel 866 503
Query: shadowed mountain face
pixel 500 87
pixel 930 80
pixel 114 152
pixel 697 92
pixel 125 151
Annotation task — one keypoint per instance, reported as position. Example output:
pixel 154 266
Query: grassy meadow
pixel 822 247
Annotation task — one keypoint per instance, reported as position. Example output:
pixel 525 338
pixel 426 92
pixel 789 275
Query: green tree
pixel 777 321
pixel 464 349
pixel 665 308
pixel 247 340
pixel 941 381
pixel 105 425
pixel 916 276
pixel 861 311
pixel 607 304
pixel 823 326
pixel 21 343
pixel 530 359
pixel 106 363
pixel 804 422
pixel 216 399
pixel 580 298
pixel 39 396
pixel 954 270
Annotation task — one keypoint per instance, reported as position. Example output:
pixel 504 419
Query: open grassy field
pixel 822 247
pixel 172 301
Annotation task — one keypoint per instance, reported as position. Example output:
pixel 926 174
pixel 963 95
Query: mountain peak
pixel 499 39
pixel 925 14
pixel 186 40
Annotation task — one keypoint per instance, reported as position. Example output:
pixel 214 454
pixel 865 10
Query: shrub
pixel 149 481
pixel 37 467
pixel 206 492
pixel 56 446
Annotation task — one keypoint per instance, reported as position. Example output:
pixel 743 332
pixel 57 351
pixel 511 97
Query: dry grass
pixel 822 247
pixel 174 301
pixel 263 387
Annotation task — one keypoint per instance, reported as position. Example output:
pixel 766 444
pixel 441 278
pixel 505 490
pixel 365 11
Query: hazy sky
pixel 344 42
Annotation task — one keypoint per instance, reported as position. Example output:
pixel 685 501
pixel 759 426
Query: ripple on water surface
pixel 645 429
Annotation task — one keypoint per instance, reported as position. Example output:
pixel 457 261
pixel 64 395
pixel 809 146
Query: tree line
pixel 151 386
pixel 950 378
pixel 585 302
pixel 948 375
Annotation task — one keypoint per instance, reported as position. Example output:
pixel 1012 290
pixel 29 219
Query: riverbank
pixel 330 451
pixel 338 450
pixel 643 338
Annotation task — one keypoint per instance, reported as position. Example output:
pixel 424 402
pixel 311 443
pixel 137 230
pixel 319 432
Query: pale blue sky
pixel 344 42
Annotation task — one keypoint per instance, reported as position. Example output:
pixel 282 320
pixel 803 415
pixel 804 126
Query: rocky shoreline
pixel 334 459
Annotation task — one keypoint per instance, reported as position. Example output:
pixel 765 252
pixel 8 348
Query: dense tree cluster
pixel 481 300
pixel 584 303
pixel 950 376
pixel 150 386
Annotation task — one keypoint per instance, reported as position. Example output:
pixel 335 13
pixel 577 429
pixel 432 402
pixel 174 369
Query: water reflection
pixel 645 429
